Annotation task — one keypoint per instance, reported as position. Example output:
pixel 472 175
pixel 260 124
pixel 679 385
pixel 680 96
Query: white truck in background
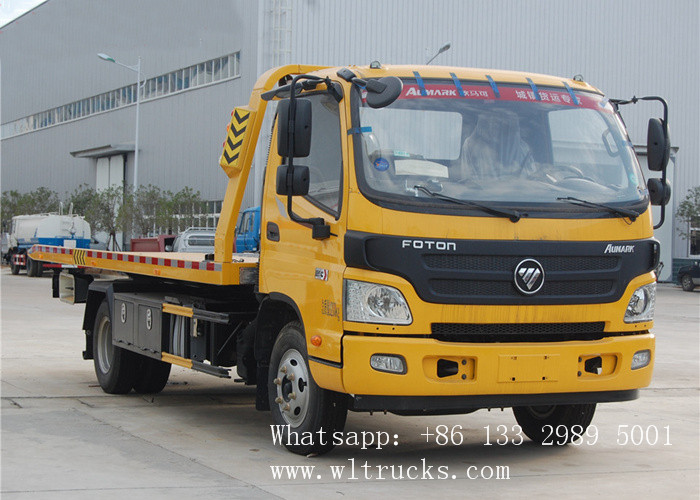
pixel 71 231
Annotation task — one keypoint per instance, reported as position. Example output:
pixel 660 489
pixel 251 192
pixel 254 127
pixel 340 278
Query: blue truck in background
pixel 248 231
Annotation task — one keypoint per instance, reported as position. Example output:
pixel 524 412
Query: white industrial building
pixel 68 117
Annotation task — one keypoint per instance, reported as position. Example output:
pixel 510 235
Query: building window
pixel 694 239
pixel 208 71
pixel 216 70
pixel 204 73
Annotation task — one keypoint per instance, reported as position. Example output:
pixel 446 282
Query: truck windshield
pixel 507 146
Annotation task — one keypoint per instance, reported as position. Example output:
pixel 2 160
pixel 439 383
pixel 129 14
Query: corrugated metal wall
pixel 623 47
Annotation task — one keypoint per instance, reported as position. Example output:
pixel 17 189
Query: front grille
pixel 518 332
pixel 464 277
pixel 472 288
pixel 482 272
pixel 500 263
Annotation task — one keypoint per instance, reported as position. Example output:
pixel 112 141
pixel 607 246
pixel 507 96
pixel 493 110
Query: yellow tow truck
pixel 434 240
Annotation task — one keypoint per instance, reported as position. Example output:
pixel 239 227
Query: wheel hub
pixel 292 387
pixel 105 349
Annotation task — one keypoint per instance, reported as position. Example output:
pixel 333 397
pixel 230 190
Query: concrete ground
pixel 62 437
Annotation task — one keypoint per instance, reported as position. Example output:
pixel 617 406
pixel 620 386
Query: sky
pixel 12 9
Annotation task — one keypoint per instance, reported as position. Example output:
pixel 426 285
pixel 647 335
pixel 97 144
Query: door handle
pixel 273 231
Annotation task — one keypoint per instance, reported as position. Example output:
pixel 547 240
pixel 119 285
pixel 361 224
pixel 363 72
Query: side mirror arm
pixel 635 100
pixel 664 183
pixel 319 229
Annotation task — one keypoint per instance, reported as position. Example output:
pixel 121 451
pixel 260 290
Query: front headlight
pixel 641 304
pixel 373 303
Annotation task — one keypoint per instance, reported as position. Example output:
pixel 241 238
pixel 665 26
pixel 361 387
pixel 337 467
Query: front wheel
pixel 687 283
pixel 307 414
pixel 554 424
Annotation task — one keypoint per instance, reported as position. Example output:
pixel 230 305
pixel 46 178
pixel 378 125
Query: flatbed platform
pixel 191 267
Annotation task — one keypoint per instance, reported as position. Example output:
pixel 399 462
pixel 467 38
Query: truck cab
pixel 248 231
pixel 488 243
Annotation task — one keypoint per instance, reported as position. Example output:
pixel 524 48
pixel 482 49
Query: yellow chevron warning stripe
pixel 79 257
pixel 234 139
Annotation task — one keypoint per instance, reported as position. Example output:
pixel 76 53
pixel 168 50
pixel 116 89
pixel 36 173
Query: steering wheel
pixel 577 172
pixel 560 172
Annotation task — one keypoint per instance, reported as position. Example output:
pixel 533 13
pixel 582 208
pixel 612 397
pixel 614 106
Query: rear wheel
pixel 116 368
pixel 297 403
pixel 687 283
pixel 37 268
pixel 14 268
pixel 29 265
pixel 153 375
pixel 554 424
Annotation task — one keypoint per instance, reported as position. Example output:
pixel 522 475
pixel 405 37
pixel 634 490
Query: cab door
pixel 304 271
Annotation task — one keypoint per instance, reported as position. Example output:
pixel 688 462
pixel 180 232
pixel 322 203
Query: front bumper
pixel 441 405
pixel 504 372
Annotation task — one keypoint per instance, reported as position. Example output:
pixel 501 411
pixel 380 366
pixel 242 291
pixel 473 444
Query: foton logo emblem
pixel 619 248
pixel 529 276
pixel 429 245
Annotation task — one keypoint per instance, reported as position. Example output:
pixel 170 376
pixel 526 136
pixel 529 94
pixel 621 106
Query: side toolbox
pixel 137 323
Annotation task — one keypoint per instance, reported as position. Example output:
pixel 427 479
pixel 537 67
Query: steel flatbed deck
pixel 191 267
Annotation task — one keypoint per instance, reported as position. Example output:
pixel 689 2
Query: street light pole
pixel 137 69
pixel 136 140
pixel 442 49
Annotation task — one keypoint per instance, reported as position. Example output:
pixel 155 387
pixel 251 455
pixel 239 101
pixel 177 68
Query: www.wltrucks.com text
pixel 362 470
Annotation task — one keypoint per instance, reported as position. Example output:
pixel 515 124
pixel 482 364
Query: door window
pixel 325 160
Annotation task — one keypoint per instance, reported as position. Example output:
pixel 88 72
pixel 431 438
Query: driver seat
pixel 495 148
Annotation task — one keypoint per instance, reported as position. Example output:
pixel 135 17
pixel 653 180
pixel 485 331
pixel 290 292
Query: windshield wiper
pixel 513 215
pixel 618 211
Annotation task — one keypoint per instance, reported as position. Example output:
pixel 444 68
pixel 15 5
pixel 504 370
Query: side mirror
pixel 659 191
pixel 300 181
pixel 382 92
pixel 168 248
pixel 658 145
pixel 302 128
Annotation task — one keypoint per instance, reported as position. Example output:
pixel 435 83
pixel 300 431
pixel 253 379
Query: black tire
pixel 309 407
pixel 687 283
pixel 554 424
pixel 14 268
pixel 36 268
pixel 116 368
pixel 29 266
pixel 153 375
